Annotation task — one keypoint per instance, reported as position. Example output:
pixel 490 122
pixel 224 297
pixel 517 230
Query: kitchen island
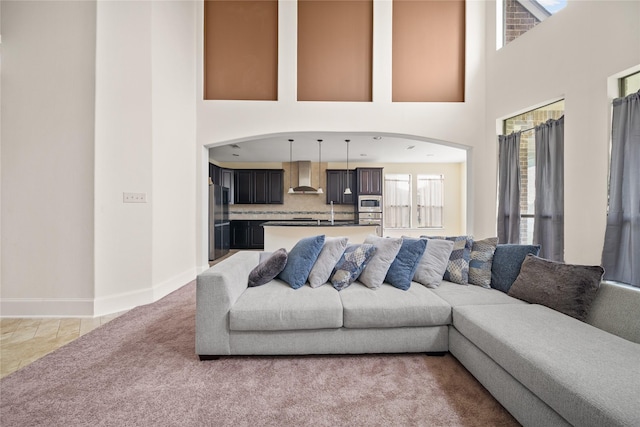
pixel 285 234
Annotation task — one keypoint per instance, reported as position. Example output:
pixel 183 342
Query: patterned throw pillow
pixel 481 260
pixel 353 261
pixel 458 267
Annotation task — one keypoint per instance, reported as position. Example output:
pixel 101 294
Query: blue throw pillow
pixel 507 260
pixel 300 261
pixel 353 261
pixel 404 266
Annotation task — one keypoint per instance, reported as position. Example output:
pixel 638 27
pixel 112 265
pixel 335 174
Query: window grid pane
pixel 397 202
pixel 430 201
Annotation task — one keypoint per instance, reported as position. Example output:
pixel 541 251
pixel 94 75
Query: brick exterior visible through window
pixel 517 20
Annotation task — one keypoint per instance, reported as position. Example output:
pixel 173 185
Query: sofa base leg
pixel 436 353
pixel 208 357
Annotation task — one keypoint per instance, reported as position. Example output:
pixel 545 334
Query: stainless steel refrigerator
pixel 219 228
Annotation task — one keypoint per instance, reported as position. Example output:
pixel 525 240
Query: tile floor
pixel 24 340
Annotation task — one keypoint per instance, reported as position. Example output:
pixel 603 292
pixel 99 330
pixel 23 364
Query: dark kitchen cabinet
pixel 226 180
pixel 259 186
pixel 369 180
pixel 276 186
pixel 247 234
pixel 337 181
pixel 244 185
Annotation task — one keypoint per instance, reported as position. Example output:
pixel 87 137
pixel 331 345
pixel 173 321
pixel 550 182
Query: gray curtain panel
pixel 621 252
pixel 509 188
pixel 548 228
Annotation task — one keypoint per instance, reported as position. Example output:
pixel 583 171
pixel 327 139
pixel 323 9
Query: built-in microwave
pixel 369 203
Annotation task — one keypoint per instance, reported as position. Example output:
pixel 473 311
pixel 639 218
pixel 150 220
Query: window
pixel 519 16
pixel 397 202
pixel 430 201
pixel 630 84
pixel 526 123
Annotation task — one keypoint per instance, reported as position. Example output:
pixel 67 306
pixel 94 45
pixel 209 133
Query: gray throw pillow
pixel 376 270
pixel 268 269
pixel 481 259
pixel 329 256
pixel 567 288
pixel 434 262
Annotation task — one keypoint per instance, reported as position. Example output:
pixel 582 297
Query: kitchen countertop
pixel 316 223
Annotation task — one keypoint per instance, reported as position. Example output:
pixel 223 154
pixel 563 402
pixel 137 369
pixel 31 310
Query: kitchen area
pixel 276 205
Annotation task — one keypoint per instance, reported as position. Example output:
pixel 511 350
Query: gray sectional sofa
pixel 544 367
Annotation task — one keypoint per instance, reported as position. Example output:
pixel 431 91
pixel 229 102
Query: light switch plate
pixel 134 197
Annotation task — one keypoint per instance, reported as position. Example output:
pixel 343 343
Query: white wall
pixel 571 55
pixel 48 84
pixel 145 142
pixel 173 195
pixel 98 99
pixel 457 123
pixel 123 161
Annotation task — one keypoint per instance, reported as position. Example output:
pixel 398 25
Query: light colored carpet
pixel 141 370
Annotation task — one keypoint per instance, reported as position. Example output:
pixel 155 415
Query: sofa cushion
pixel 402 269
pixel 433 263
pixel 568 288
pixel 376 269
pixel 268 269
pixel 330 254
pixel 507 260
pixel 278 307
pixel 589 376
pixel 458 266
pixel 301 259
pixel 388 307
pixel 457 295
pixel 481 259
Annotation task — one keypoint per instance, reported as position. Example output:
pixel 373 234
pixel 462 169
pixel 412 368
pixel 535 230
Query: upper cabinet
pixel 337 181
pixel 369 180
pixel 223 177
pixel 259 186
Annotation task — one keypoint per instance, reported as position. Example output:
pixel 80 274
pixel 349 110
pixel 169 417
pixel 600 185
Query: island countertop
pixel 313 223
pixel 285 234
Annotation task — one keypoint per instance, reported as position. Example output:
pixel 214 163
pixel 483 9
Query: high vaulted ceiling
pixel 363 148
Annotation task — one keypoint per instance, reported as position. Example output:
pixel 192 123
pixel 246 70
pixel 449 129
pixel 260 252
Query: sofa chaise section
pixel 589 377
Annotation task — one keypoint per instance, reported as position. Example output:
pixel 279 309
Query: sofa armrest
pixel 217 289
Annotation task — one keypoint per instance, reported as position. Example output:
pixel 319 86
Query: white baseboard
pixel 46 307
pixel 86 307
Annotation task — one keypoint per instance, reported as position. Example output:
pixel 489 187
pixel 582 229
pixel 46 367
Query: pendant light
pixel 320 166
pixel 348 189
pixel 290 165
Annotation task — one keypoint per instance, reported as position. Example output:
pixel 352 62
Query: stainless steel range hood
pixel 304 178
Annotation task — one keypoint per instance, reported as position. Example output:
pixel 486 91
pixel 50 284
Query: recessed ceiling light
pixel 236 155
pixel 430 155
pixel 235 146
pixel 363 155
pixel 377 138
pixel 411 147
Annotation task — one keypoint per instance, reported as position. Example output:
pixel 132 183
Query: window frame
pixel 440 178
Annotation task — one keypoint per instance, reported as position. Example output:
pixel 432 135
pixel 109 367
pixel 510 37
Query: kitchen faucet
pixel 332 217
